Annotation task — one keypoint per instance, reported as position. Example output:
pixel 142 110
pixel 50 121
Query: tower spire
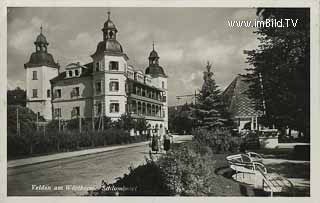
pixel 108 15
pixel 153 45
pixel 41 29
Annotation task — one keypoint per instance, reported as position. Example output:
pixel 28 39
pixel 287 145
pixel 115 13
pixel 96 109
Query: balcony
pixel 147 99
pixel 155 118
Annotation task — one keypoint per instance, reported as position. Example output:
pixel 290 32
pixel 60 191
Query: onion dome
pixel 109 46
pixel 109 43
pixel 41 57
pixel 109 24
pixel 154 69
pixel 153 54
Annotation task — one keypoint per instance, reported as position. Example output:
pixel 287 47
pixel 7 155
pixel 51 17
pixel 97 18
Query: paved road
pixel 81 172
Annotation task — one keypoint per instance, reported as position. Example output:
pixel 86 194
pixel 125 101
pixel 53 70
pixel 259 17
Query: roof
pixel 155 70
pixel 41 39
pixel 237 101
pixel 109 25
pixel 85 72
pixel 111 46
pixel 153 54
pixel 41 58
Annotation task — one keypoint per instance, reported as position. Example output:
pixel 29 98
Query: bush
pixel 188 170
pixel 52 141
pixel 219 141
pixel 145 180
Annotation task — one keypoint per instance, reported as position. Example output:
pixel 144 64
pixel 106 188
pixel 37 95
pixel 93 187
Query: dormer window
pixel 76 72
pixel 70 73
pixel 114 65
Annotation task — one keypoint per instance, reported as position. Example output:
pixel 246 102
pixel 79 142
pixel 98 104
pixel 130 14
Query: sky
pixel 185 39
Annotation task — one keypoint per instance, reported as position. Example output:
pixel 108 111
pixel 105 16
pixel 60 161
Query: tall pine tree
pixel 209 111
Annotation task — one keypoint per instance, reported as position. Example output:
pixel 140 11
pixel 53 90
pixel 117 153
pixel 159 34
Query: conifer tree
pixel 208 111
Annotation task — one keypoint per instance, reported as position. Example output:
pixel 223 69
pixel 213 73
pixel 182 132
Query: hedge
pixel 51 142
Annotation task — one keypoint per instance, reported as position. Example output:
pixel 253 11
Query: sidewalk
pixel 64 155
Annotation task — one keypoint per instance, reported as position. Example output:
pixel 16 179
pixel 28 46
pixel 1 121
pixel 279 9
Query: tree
pixel 281 67
pixel 209 111
pixel 16 97
pixel 141 124
pixel 125 122
pixel 27 119
pixel 179 120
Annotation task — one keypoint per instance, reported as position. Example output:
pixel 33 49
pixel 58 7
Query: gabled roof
pixel 237 101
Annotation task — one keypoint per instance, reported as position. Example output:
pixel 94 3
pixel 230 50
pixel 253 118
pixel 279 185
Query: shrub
pixel 53 141
pixel 188 170
pixel 218 141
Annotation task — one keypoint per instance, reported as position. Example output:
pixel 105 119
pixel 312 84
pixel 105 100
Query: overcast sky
pixel 185 39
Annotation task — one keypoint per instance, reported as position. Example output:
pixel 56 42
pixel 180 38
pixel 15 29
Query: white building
pixel 106 86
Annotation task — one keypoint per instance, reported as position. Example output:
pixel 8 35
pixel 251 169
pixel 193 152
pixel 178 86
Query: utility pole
pixel 17 120
pixel 59 123
pixel 92 120
pixel 102 122
pixel 37 122
pixel 80 124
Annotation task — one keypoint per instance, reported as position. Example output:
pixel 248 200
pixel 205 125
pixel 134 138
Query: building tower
pixel 40 69
pixel 109 74
pixel 159 79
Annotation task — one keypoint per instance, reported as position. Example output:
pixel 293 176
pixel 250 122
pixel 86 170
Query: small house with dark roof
pixel 239 105
pixel 107 86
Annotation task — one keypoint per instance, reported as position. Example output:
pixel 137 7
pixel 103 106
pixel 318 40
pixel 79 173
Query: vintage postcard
pixel 159 99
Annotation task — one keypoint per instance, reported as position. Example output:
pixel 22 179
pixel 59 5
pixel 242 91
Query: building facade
pixel 107 86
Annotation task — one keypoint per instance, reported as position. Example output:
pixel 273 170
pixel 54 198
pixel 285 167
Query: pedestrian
pixel 155 141
pixel 166 143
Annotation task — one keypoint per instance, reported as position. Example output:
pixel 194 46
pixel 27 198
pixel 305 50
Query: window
pixel 114 107
pixel 99 108
pixel 75 92
pixel 75 111
pixel 138 90
pixel 114 86
pixel 164 98
pixel 114 65
pixel 70 73
pixel 48 93
pixel 57 112
pixel 57 93
pixel 98 87
pixel 34 75
pixel 34 93
pixel 76 72
pixel 162 84
pixel 97 67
